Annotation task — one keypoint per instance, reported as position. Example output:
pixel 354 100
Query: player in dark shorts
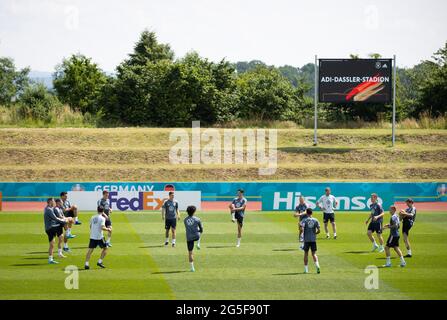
pixel 97 226
pixel 311 228
pixel 69 209
pixel 104 203
pixel 194 231
pixel 328 203
pixel 408 218
pixel 375 222
pixel 53 227
pixel 59 212
pixel 237 209
pixel 170 214
pixel 393 239
pixel 300 212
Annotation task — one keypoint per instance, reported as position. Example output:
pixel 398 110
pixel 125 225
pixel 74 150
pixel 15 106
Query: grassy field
pixel 268 265
pixel 142 154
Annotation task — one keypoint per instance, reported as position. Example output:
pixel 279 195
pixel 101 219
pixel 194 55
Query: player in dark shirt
pixel 393 239
pixel 375 220
pixel 300 212
pixel 408 218
pixel 237 209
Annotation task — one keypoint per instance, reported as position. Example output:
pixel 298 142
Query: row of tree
pixel 152 88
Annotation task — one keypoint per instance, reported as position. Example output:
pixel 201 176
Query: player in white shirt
pixel 97 226
pixel 328 203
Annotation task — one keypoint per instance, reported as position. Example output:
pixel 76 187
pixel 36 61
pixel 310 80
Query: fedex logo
pixel 144 201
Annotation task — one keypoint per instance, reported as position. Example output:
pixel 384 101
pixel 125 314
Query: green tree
pixel 267 95
pixel 433 89
pixel 37 103
pixel 78 82
pixel 12 81
pixel 166 93
pixel 148 49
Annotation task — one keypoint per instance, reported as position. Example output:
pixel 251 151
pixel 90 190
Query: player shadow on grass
pixel 285 250
pixel 149 247
pixel 288 274
pixel 169 272
pixel 357 252
pixel 219 247
pixel 28 264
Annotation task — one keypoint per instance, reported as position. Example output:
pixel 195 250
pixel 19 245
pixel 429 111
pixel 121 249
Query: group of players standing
pixel 60 215
pixel 309 227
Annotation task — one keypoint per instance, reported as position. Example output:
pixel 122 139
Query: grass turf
pixel 143 154
pixel 268 265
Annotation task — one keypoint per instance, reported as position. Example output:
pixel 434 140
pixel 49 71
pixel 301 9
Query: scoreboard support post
pixel 394 102
pixel 316 101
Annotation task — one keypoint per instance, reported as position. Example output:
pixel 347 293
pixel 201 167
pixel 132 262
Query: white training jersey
pixel 327 202
pixel 96 224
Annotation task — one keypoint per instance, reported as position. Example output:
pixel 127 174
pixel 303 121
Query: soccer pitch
pixel 268 265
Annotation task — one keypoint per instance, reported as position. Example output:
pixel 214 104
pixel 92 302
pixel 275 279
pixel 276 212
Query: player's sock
pixel 327 235
pixel 100 261
pixel 68 232
pixel 306 268
pixel 402 260
pixel 50 258
pixel 335 234
pixel 317 264
pixel 167 240
pixel 388 261
pixel 66 245
pixel 59 251
pixel 86 263
pixel 192 266
pixel 76 219
pixel 173 242
pixel 238 242
pixel 198 243
pixel 409 252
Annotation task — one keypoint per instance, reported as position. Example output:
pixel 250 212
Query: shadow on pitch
pixel 35 258
pixel 28 264
pixel 37 252
pixel 285 250
pixel 357 252
pixel 288 274
pixel 169 272
pixel 219 247
pixel 148 247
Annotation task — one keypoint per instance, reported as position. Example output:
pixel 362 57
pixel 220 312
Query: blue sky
pixel 39 33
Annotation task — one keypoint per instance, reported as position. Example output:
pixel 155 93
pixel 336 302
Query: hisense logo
pixel 234 146
pixel 288 201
